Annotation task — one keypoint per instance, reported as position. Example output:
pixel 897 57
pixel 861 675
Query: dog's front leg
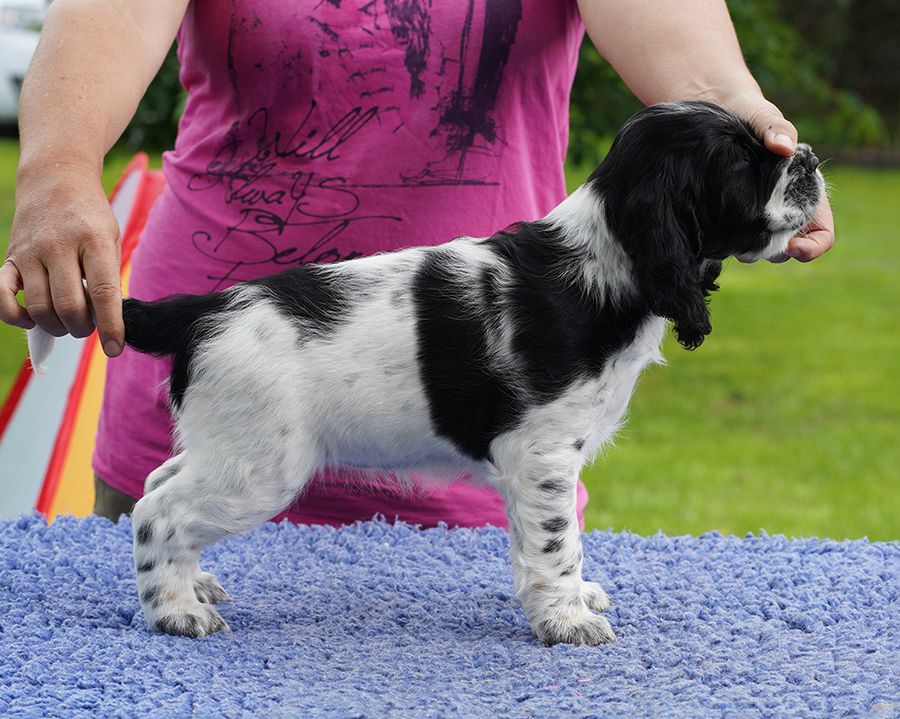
pixel 546 552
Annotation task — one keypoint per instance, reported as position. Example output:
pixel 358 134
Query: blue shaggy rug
pixel 377 620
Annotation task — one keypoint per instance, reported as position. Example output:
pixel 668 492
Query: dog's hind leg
pixel 545 547
pixel 199 505
pixel 206 586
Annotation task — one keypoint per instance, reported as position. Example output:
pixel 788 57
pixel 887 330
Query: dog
pixel 511 357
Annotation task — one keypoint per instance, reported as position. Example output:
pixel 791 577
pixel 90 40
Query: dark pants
pixel 109 502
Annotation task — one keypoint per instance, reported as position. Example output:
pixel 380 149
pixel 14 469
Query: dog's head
pixel 686 185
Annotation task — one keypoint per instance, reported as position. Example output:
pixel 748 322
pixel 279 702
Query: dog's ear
pixel 665 245
pixel 710 273
pixel 652 185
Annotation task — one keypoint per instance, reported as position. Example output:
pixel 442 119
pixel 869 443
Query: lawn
pixel 787 419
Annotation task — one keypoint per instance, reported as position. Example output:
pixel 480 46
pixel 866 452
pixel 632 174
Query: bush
pixel 155 122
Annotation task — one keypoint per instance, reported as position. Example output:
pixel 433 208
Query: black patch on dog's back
pixel 314 295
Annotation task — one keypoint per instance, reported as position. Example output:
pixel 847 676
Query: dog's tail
pixel 174 326
pixel 165 327
pixel 169 326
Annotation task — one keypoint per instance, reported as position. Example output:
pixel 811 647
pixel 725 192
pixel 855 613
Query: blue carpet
pixel 382 621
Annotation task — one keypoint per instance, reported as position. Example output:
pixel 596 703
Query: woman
pixel 317 132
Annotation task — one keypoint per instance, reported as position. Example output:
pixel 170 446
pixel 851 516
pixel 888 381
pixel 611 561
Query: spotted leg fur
pixel 206 586
pixel 179 517
pixel 546 552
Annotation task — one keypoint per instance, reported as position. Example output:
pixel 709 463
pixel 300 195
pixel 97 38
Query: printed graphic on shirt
pixel 358 72
pixel 466 123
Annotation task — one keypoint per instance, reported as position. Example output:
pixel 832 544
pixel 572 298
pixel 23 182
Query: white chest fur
pixel 588 414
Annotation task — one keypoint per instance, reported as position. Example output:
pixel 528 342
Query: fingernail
pixel 784 141
pixel 111 348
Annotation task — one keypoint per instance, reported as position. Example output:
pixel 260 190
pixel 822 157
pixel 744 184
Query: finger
pixel 811 245
pixel 779 136
pixel 69 301
pixel 101 270
pixel 11 312
pixel 818 238
pixel 39 301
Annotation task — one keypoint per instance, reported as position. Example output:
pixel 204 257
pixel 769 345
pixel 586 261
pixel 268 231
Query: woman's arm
pixel 689 51
pixel 94 62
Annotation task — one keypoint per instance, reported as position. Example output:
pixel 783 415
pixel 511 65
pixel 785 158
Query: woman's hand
pixel 780 136
pixel 63 230
pixel 91 67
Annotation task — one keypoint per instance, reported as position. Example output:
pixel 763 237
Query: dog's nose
pixel 812 162
pixel 807 158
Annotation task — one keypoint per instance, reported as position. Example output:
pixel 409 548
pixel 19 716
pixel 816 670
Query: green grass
pixel 12 341
pixel 787 419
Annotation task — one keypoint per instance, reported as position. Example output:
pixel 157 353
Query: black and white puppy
pixel 511 357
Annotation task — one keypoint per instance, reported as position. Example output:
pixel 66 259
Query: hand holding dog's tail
pixel 164 327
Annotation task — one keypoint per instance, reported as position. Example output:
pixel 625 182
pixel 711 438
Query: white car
pixel 20 26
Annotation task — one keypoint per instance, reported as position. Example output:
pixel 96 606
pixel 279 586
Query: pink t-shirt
pixel 322 130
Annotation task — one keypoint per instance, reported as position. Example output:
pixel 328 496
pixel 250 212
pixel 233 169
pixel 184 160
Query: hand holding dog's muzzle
pixel 780 136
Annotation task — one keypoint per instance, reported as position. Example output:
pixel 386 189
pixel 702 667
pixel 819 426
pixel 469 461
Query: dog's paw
pixel 583 628
pixel 594 596
pixel 208 589
pixel 195 621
